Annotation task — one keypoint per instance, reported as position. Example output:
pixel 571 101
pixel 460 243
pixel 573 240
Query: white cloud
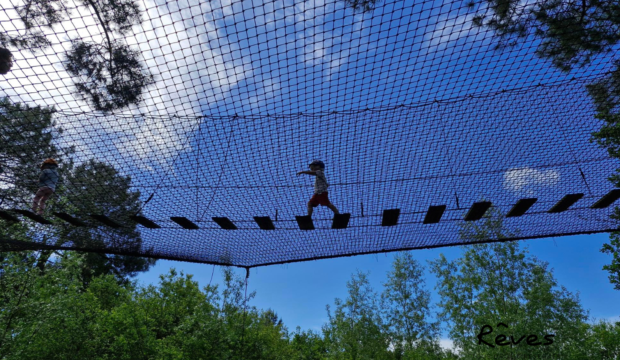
pixel 613 319
pixel 447 344
pixel 197 66
pixel 524 179
pixel 451 29
pixel 320 46
pixel 193 63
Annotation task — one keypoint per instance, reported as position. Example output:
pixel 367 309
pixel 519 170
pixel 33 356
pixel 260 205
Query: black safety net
pixel 423 126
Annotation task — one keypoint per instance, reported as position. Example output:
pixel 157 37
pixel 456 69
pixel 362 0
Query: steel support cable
pixel 166 173
pixel 448 152
pixel 449 100
pixel 431 177
pixel 570 150
pixel 222 168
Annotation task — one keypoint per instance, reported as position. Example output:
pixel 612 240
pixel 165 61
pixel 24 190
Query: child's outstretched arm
pixel 309 172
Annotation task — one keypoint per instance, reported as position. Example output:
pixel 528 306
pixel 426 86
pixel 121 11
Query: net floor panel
pixel 409 105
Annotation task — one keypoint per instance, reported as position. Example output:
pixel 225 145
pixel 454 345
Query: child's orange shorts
pixel 320 199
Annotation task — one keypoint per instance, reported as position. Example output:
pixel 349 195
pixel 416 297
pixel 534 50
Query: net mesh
pixel 408 105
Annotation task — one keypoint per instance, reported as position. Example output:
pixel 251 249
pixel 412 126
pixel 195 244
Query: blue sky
pixel 226 57
pixel 298 292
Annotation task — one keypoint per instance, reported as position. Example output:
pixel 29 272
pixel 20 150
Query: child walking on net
pixel 320 187
pixel 47 185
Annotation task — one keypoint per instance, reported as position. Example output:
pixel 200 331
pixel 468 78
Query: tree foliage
pixel 606 95
pixel 29 135
pixel 95 187
pixel 108 74
pixel 363 6
pixel 603 341
pixel 355 329
pixel 499 283
pixel 570 32
pixel 407 305
pixel 56 314
pixel 53 315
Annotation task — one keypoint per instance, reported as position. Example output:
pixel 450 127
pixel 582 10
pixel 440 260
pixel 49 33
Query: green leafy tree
pixel 606 95
pixel 16 285
pixel 364 6
pixel 407 307
pixel 499 283
pixel 613 248
pixel 570 32
pixel 604 341
pixel 355 330
pixel 108 74
pixel 95 187
pixel 307 345
pixel 51 315
pixel 28 135
pixel 55 315
pixel 191 324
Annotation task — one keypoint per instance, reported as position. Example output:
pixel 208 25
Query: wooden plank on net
pixel 305 222
pixel 390 217
pixel 29 214
pixel 144 221
pixel 264 222
pixel 434 214
pixel 521 207
pixel 106 221
pixel 607 200
pixel 477 210
pixel 341 221
pixel 70 219
pixel 225 223
pixel 566 202
pixel 184 222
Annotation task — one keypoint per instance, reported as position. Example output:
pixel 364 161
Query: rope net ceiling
pixel 408 105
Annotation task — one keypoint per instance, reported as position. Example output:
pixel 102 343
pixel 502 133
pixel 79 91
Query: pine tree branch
pixel 105 31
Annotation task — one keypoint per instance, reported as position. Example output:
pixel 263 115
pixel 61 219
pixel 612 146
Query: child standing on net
pixel 320 187
pixel 47 185
pixel 6 61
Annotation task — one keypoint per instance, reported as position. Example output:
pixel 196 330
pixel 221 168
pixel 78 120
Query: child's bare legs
pixel 330 206
pixel 333 208
pixel 40 198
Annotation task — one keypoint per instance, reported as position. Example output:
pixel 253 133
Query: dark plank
pixel 390 217
pixel 341 221
pixel 8 217
pixel 29 214
pixel 264 222
pixel 565 203
pixel 225 223
pixel 477 210
pixel 305 222
pixel 521 207
pixel 106 221
pixel 147 223
pixel 184 222
pixel 434 214
pixel 70 219
pixel 607 200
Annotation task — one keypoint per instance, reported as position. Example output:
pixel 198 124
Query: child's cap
pixel 319 163
pixel 49 162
